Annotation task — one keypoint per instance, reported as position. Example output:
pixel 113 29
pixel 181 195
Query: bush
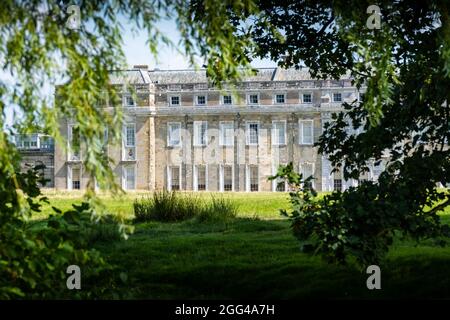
pixel 167 206
pixel 171 206
pixel 218 209
pixel 359 222
pixel 34 261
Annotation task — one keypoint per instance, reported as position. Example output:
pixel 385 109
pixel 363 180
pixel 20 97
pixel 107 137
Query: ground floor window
pixel 337 185
pixel 74 177
pixel 281 185
pixel 174 178
pixel 129 177
pixel 278 184
pixel 227 178
pixel 253 178
pixel 200 177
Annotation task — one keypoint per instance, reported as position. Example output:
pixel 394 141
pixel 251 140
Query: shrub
pixel 34 261
pixel 167 206
pixel 171 206
pixel 218 209
pixel 359 222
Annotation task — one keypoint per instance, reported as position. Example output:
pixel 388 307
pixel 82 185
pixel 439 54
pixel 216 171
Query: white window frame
pixel 253 94
pixel 70 168
pixel 197 132
pixel 126 125
pixel 196 100
pixel 195 177
pixel 248 177
pixel 337 101
pixel 275 181
pixel 125 145
pixel 125 101
pixel 125 176
pixel 313 168
pixel 70 155
pixel 275 141
pixel 247 134
pixel 222 100
pixel 169 176
pixel 222 133
pixel 170 100
pixel 279 94
pixel 222 177
pixel 301 140
pixel 169 124
pixel 302 97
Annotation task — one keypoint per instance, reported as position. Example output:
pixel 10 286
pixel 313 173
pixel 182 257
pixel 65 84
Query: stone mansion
pixel 180 133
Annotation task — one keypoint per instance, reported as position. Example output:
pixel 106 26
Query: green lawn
pixel 255 256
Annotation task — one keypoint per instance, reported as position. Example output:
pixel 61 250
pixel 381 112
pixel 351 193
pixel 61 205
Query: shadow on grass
pixel 258 259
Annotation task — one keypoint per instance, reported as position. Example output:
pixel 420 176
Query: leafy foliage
pixel 38 49
pixel 34 259
pixel 340 224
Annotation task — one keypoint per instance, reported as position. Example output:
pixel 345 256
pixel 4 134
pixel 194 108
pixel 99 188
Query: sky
pixel 138 53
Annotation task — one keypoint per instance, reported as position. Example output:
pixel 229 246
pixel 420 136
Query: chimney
pixel 141 66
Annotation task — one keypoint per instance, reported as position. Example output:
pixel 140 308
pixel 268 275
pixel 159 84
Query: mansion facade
pixel 181 133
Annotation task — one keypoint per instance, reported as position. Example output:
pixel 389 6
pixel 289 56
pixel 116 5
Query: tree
pixel 78 44
pixel 405 66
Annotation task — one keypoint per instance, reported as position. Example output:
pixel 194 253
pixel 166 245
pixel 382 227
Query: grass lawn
pixel 255 256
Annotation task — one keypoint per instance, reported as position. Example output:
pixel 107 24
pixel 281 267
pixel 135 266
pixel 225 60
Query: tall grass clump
pixel 172 206
pixel 218 210
pixel 166 206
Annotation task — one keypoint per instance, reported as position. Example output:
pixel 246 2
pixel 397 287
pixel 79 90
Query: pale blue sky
pixel 137 52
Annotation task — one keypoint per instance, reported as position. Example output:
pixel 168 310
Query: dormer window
pixel 174 100
pixel 307 98
pixel 337 97
pixel 200 100
pixel 253 98
pixel 280 98
pixel 129 101
pixel 227 99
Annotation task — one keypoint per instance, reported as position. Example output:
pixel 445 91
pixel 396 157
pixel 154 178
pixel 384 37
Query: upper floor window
pixel 175 100
pixel 279 132
pixel 27 141
pixel 226 134
pixel 200 133
pixel 130 138
pixel 306 132
pixel 46 142
pixel 280 98
pixel 174 134
pixel 129 101
pixel 307 98
pixel 337 97
pixel 227 99
pixel 252 133
pixel 200 100
pixel 253 98
pixel 74 141
pixel 129 142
